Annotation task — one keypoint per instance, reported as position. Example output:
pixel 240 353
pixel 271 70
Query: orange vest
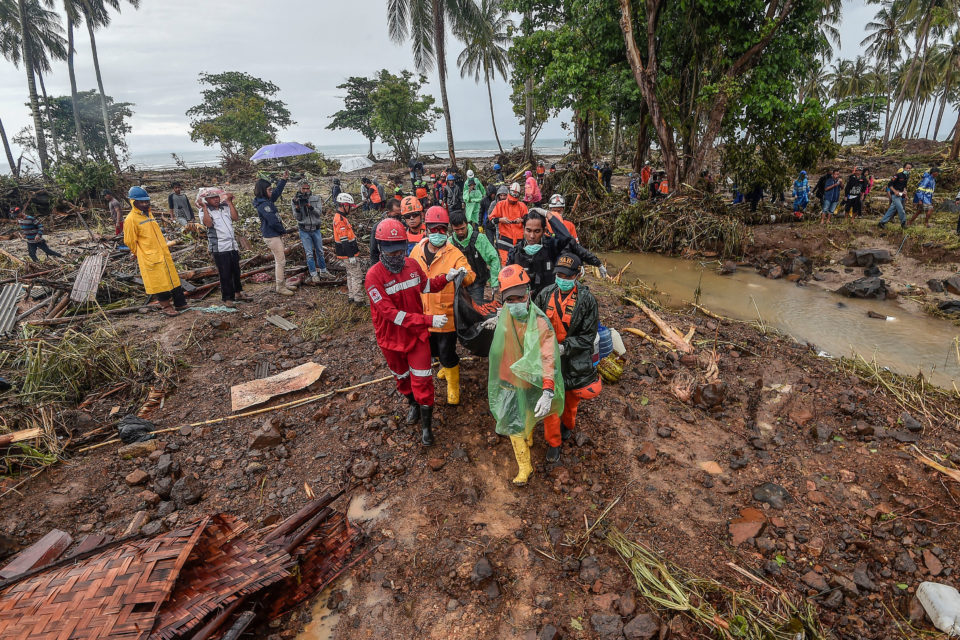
pixel 374 193
pixel 344 239
pixel 441 302
pixel 559 311
pixel 540 171
pixel 421 193
pixel 663 186
pixel 510 215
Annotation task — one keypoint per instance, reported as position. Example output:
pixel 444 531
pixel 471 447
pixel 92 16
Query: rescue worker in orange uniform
pixel 346 248
pixel 508 216
pixel 394 285
pixel 574 315
pixel 411 211
pixel 557 206
pixel 436 255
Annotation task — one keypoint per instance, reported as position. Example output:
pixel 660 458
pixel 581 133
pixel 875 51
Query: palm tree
pixel 72 10
pixel 829 36
pixel 96 14
pixel 950 70
pixel 425 23
pixel 45 40
pixel 883 44
pixel 839 79
pixel 26 52
pixel 486 52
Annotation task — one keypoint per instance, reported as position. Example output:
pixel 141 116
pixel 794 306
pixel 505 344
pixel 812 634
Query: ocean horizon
pixel 465 149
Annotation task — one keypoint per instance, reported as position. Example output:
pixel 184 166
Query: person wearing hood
pixel 537 252
pixel 574 314
pixel 801 195
pixel 394 286
pixel 923 197
pixel 473 194
pixel 486 204
pixel 507 218
pixel 218 213
pixel 480 254
pixel 523 385
pixel 271 228
pixel 308 209
pixel 142 234
pixel 436 256
pixel 531 190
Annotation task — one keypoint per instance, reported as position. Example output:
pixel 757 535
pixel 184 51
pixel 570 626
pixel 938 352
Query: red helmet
pixel 391 230
pixel 437 215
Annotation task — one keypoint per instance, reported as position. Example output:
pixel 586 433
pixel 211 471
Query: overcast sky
pixel 151 57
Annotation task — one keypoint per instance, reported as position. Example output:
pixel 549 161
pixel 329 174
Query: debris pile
pixel 190 582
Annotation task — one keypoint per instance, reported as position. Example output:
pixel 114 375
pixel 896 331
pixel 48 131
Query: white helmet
pixel 557 201
pixel 469 173
pixel 515 190
pixel 344 198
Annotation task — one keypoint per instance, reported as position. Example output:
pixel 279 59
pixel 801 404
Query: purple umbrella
pixel 282 150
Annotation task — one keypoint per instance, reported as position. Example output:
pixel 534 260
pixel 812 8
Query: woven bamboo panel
pixel 110 595
pixel 321 557
pixel 226 564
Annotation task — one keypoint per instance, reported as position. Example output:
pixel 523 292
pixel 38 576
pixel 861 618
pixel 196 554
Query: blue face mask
pixel 518 310
pixel 565 285
pixel 532 249
pixel 438 239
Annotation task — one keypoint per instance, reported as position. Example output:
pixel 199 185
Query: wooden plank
pixel 89 542
pixel 254 392
pixel 139 519
pixel 19 436
pixel 43 551
pixel 284 324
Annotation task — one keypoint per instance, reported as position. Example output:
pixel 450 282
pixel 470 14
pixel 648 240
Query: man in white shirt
pixel 218 218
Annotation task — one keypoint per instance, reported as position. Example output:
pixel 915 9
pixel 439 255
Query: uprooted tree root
pixel 757 612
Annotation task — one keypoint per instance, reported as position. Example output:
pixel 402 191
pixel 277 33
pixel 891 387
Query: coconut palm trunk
pixel 74 98
pixel 32 87
pixel 46 109
pixel 493 118
pixel 440 48
pixel 955 149
pixel 8 151
pixel 943 105
pixel 103 96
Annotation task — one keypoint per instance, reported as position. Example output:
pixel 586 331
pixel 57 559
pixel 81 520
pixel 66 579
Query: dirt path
pixel 461 553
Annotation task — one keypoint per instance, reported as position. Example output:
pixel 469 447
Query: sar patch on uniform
pixel 374 294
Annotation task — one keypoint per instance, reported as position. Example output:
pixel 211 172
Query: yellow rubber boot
pixel 452 376
pixel 442 373
pixel 522 453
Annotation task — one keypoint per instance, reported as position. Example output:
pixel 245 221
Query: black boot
pixel 426 425
pixel 413 413
pixel 565 434
pixel 553 454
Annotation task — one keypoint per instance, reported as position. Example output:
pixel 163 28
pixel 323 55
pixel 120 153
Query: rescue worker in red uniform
pixel 508 218
pixel 394 285
pixel 572 311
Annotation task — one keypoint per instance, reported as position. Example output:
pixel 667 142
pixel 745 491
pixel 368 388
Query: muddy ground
pixel 460 552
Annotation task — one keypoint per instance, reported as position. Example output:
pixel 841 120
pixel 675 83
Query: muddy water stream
pixel 908 343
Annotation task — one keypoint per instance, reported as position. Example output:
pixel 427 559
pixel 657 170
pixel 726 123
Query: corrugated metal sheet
pixel 8 306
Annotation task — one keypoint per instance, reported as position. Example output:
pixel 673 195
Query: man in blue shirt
pixel 923 197
pixel 831 196
pixel 32 232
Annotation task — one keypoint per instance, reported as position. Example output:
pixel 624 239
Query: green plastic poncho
pixel 523 354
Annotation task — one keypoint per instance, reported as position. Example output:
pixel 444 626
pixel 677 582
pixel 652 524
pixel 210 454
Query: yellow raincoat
pixel 141 233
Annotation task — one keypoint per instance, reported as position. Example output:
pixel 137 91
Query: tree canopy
pixel 401 116
pixel 357 109
pixel 238 113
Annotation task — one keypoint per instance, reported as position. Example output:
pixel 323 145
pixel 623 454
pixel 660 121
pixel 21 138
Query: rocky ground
pixel 846 516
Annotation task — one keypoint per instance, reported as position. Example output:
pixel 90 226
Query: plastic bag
pixel 468 315
pixel 523 353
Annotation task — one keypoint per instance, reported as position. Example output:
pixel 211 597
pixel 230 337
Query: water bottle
pixel 942 604
pixel 605 344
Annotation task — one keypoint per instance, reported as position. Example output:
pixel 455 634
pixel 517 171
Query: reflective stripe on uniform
pixel 400 376
pixel 400 316
pixel 426 289
pixel 400 286
pixel 925 189
pixel 422 373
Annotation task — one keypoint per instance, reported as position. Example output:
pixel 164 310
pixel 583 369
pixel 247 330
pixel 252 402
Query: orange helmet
pixel 410 205
pixel 391 230
pixel 513 275
pixel 437 215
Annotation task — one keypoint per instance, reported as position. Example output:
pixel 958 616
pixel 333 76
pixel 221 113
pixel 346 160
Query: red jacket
pixel 395 304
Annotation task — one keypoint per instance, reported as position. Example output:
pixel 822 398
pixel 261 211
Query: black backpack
pixel 821 187
pixel 455 199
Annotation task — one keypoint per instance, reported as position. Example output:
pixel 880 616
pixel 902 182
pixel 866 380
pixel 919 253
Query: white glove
pixel 491 322
pixel 543 404
pixel 562 349
pixel 603 271
pixel 453 273
pixel 439 322
pixel 352 260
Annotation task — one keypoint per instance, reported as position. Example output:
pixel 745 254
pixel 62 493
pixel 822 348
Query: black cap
pixel 568 265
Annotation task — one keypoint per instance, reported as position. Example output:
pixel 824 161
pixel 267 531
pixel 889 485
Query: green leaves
pixel 400 115
pixel 358 110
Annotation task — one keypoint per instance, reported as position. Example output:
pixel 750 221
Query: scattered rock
pixel 935 286
pixel 626 605
pixel 710 467
pixel 648 452
pixel 865 288
pixel 492 590
pixel 815 581
pixel 163 487
pixel 952 284
pixel 266 437
pixel 607 626
pixel 801 416
pixel 376 410
pixel 581 439
pixel 436 464
pixel 932 562
pixel 481 570
pixel 164 465
pixel 772 494
pixel 916 613
pixel 186 491
pixel 152 528
pixel 867 257
pixel 862 579
pixel 821 432
pixel 138 449
pixel 904 563
pixel 549 632
pixel 137 476
pixel 665 432
pixel 589 569
pixel 748 525
pixel 643 627
pixel 728 267
pixel 605 601
pixel 911 423
pixel 364 469
pixel 149 497
pixel 254 467
pixel 775 273
pixel 847 585
pixel 834 600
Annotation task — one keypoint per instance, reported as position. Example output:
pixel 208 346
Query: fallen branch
pixel 669 334
pixel 87 316
pixel 648 338
pixel 922 457
pixel 705 311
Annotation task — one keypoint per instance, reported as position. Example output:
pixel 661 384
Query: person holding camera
pixel 473 193
pixel 307 209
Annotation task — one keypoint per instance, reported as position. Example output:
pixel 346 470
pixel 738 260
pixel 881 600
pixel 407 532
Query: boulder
pixel 865 288
pixel 186 491
pixel 607 625
pixel 266 437
pixel 952 284
pixel 949 306
pixel 643 627
pixel 936 286
pixel 868 257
